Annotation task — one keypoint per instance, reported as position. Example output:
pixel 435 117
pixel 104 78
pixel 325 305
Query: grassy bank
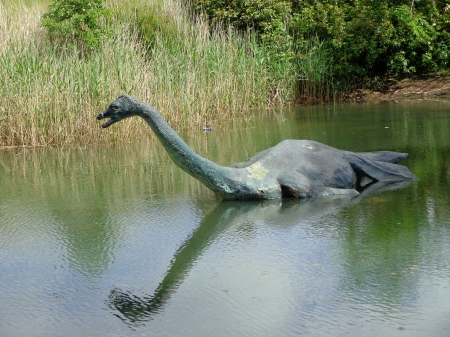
pixel 193 73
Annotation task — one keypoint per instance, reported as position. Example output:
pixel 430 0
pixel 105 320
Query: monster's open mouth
pixel 108 123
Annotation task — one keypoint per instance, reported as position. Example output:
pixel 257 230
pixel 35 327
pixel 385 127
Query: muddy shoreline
pixel 425 87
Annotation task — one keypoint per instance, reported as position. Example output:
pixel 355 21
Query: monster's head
pixel 123 107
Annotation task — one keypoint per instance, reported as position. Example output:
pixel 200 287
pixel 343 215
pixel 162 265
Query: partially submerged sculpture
pixel 291 169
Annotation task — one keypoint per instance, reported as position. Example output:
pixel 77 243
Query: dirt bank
pixel 430 87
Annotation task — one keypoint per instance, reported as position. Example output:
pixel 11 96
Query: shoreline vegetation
pixel 196 74
pixel 51 93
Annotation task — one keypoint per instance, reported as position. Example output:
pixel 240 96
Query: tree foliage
pixel 360 37
pixel 77 21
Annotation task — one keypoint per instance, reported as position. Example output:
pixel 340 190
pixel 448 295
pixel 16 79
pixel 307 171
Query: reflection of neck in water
pixel 135 310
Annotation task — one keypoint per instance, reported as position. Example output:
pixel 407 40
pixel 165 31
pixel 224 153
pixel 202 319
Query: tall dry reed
pixel 51 93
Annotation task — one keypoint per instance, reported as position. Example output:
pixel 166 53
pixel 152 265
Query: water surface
pixel 118 241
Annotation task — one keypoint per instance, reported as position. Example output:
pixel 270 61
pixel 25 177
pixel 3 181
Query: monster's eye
pixel 114 107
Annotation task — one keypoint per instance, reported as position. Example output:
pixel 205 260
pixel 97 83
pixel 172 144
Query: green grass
pixel 192 72
pixel 316 82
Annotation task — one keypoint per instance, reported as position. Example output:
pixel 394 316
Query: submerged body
pixel 292 168
pixel 305 168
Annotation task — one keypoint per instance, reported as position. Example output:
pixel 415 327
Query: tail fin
pixel 383 156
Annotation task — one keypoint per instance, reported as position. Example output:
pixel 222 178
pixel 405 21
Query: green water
pixel 118 241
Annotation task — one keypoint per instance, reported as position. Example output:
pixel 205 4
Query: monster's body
pixel 304 169
pixel 292 168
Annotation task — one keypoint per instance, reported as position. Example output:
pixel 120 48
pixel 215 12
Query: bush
pixel 152 23
pixel 269 18
pixel 78 21
pixel 360 38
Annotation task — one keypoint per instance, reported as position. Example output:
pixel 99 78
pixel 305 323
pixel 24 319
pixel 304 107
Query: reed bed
pixel 51 92
pixel 316 83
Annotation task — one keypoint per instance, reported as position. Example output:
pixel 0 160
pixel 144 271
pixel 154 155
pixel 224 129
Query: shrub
pixel 152 24
pixel 77 21
pixel 360 37
pixel 269 18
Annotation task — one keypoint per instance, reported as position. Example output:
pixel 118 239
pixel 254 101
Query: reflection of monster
pixel 135 309
pixel 292 169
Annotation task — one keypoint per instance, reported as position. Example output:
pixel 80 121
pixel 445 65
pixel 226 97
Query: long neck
pixel 208 172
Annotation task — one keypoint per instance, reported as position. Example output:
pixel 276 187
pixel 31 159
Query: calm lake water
pixel 118 241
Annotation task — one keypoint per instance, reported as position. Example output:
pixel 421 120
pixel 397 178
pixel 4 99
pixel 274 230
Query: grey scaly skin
pixel 293 168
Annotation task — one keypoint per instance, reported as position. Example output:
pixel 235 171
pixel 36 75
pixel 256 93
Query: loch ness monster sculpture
pixel 290 169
